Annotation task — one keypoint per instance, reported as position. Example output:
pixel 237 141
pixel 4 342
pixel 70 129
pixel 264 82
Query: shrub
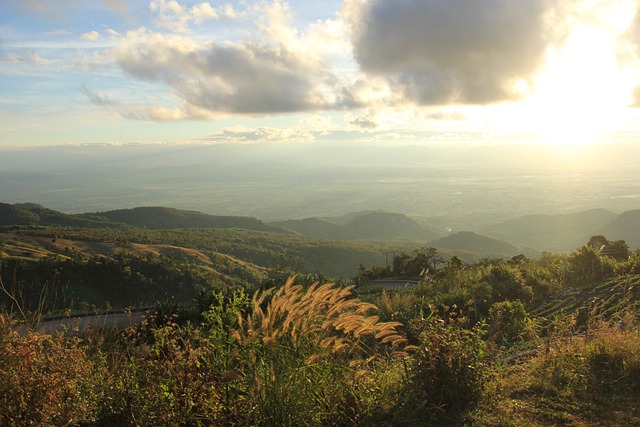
pixel 45 380
pixel 446 373
pixel 510 322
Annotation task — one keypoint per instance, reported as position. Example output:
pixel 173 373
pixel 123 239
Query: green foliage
pixel 123 280
pixel 314 354
pixel 507 284
pixel 585 267
pixel 509 322
pixel 45 380
pixel 618 250
pixel 446 373
pixel 166 374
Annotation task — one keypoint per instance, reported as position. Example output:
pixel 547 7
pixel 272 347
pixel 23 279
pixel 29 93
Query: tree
pixel 618 250
pixel 429 257
pixel 585 266
pixel 507 284
pixel 400 264
pixel 598 242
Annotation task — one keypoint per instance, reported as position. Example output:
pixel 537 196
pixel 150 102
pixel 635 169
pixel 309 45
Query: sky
pixel 558 72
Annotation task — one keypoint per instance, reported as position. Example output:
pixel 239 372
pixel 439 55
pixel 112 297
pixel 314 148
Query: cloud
pixel 58 33
pixel 446 115
pixel 176 17
pixel 112 32
pixel 451 52
pixel 243 134
pixel 49 9
pixel 27 56
pixel 91 36
pixel 97 99
pixel 119 6
pixel 629 51
pixel 366 122
pixel 243 77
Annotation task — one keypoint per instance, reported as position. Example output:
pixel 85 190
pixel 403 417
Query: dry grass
pixel 327 315
pixel 575 381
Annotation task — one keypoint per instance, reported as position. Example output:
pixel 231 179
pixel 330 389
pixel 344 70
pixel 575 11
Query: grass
pixel 591 380
pixel 317 355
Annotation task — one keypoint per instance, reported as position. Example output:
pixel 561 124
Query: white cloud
pixel 113 33
pixel 228 11
pixel 173 15
pixel 629 50
pixel 203 11
pixel 454 51
pixel 91 36
pixel 244 134
pixel 445 115
pixel 27 56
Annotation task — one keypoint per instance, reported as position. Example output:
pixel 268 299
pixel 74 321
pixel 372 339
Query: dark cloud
pixel 364 122
pixel 453 51
pixel 97 99
pixel 244 78
pixel 447 116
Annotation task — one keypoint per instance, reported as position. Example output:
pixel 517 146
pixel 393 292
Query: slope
pixel 555 233
pixel 468 241
pixel 625 227
pixel 166 218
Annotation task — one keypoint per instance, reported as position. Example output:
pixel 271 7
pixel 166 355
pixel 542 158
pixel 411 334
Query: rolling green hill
pixel 361 226
pixel 385 225
pixel 317 228
pixel 468 241
pixel 158 218
pixel 36 215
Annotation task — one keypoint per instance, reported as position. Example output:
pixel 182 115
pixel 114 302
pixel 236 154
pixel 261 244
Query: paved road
pixel 391 284
pixel 75 325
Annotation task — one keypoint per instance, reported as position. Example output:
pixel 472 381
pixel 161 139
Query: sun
pixel 583 91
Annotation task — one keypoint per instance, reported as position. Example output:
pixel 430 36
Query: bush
pixel 45 380
pixel 446 374
pixel 510 322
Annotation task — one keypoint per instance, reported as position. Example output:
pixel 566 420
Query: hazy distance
pixel 453 186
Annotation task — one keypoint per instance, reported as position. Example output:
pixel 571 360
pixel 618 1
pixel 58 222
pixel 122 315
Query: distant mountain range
pixel 468 241
pixel 625 226
pixel 363 226
pixel 159 218
pixel 155 218
pixel 556 233
pixel 527 234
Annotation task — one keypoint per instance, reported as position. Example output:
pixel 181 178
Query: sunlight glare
pixel 583 91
